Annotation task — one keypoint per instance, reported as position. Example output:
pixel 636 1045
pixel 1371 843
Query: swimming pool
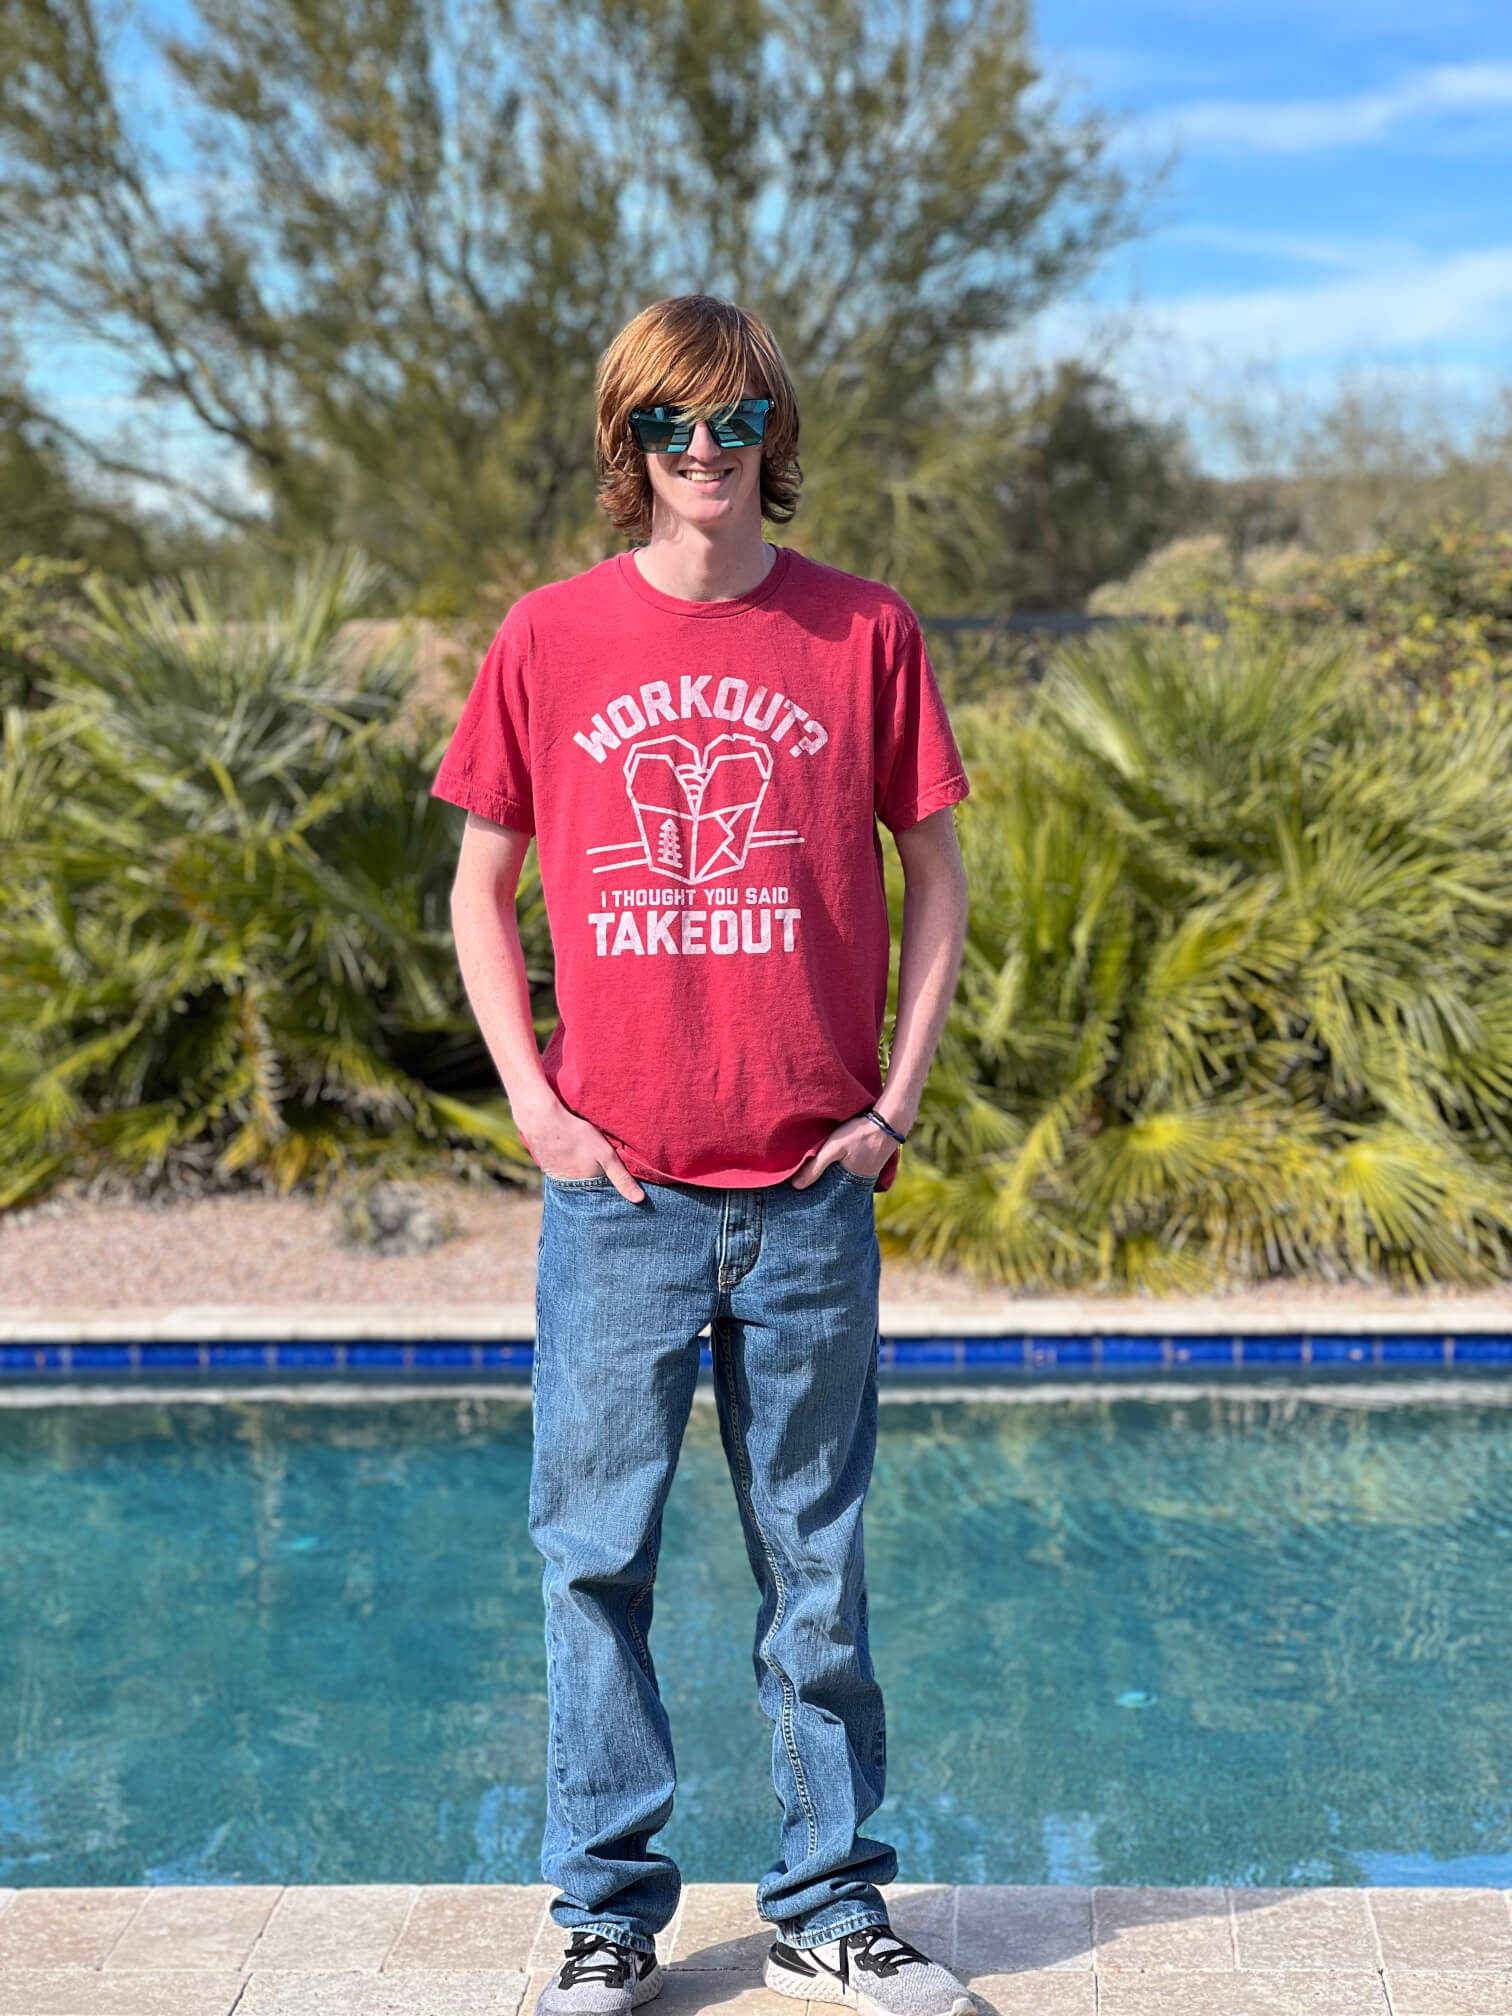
pixel 1198 1635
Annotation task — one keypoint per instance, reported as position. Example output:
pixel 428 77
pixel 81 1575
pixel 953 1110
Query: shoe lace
pixel 592 1957
pixel 861 1948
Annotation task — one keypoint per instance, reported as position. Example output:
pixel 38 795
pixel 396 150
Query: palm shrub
pixel 1236 998
pixel 224 944
pixel 36 595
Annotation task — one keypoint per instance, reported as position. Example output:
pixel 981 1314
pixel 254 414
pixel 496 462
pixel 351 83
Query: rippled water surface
pixel 1198 1639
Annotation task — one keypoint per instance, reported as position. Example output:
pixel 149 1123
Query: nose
pixel 703 447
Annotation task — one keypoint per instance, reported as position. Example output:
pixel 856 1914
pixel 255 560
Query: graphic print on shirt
pixel 695 809
pixel 692 815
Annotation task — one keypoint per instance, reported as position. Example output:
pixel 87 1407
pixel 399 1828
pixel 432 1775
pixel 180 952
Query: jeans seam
pixel 620 1934
pixel 643 1650
pixel 786 1718
pixel 858 1923
pixel 553 1695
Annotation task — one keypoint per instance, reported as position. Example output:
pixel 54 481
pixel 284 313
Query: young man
pixel 702 733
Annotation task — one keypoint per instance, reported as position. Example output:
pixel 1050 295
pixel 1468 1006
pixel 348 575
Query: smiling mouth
pixel 708 477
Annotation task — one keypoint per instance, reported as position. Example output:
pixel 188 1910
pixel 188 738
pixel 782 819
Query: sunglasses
pixel 667 430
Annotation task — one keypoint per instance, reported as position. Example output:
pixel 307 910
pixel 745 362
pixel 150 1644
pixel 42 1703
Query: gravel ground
pixel 73 1257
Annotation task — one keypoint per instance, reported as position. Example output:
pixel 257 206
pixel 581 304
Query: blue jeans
pixel 787 1280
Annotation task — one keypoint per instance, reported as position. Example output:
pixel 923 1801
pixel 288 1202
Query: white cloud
pixel 1307 125
pixel 1302 248
pixel 1400 305
pixel 1392 312
pixel 1108 66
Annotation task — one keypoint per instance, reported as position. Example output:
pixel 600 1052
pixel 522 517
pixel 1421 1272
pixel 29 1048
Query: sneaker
pixel 599 1978
pixel 872 1970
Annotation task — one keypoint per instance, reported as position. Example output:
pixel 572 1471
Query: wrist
pixel 532 1105
pixel 894 1112
pixel 874 1118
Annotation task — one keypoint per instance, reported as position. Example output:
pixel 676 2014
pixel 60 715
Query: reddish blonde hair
pixel 699 352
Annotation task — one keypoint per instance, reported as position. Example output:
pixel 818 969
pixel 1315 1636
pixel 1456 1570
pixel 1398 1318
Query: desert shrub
pixel 1431 613
pixel 225 946
pixel 1236 998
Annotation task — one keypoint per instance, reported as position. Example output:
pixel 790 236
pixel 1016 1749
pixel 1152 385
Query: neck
pixel 696 567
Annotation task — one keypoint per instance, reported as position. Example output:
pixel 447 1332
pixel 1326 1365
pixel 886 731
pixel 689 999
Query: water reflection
pixel 1210 1639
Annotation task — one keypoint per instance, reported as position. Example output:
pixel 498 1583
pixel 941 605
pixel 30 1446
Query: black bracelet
pixel 871 1113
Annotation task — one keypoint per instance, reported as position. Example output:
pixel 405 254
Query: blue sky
pixel 1339 203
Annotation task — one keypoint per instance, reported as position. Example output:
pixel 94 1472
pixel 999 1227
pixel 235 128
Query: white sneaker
pixel 873 1971
pixel 599 1978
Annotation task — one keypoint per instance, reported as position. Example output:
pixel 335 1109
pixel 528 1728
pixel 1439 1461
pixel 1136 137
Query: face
pixel 704 486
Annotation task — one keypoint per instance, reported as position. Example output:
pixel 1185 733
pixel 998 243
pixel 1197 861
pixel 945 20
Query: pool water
pixel 1200 1638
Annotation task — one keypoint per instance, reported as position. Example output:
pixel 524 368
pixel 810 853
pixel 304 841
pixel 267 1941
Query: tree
pixel 412 225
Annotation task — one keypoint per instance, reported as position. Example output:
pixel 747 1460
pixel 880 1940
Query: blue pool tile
pixel 443 1351
pixel 993 1350
pixel 1412 1351
pixel 241 1354
pixel 1483 1350
pixel 1341 1350
pixel 1057 1351
pixel 155 1355
pixel 925 1351
pixel 1133 1351
pixel 305 1354
pixel 32 1357
pixel 375 1354
pixel 706 1356
pixel 508 1354
pixel 1271 1350
pixel 1202 1350
pixel 96 1357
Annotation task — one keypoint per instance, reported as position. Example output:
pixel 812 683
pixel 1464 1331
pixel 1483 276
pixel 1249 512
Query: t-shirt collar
pixel 730 605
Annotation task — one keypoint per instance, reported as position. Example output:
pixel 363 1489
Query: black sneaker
pixel 872 1970
pixel 599 1978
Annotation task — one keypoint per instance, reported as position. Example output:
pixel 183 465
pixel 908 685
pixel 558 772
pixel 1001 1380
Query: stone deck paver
pixel 460 1949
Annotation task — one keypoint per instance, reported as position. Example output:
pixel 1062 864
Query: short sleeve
pixel 918 767
pixel 486 767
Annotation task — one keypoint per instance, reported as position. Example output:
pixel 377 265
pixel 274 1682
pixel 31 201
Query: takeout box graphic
pixel 696 808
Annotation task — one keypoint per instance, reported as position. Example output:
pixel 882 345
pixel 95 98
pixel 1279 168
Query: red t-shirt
pixel 703 780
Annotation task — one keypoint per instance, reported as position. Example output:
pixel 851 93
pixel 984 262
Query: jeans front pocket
pixel 598 1182
pixel 855 1176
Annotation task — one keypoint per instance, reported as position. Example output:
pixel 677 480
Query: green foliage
pixel 1431 614
pixel 1237 990
pixel 225 946
pixel 34 594
pixel 1196 575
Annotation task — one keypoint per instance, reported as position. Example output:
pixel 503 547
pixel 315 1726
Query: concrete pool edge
pixel 1043 1341
pixel 1024 1950
pixel 1369 1313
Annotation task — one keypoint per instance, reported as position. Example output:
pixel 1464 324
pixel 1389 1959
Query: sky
pixel 1340 200
pixel 1338 204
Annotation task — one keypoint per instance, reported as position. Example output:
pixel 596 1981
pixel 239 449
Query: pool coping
pixel 456 1949
pixel 986 1316
pixel 1022 1340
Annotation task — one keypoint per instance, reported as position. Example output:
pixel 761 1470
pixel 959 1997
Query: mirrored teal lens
pixel 660 433
pixel 741 425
